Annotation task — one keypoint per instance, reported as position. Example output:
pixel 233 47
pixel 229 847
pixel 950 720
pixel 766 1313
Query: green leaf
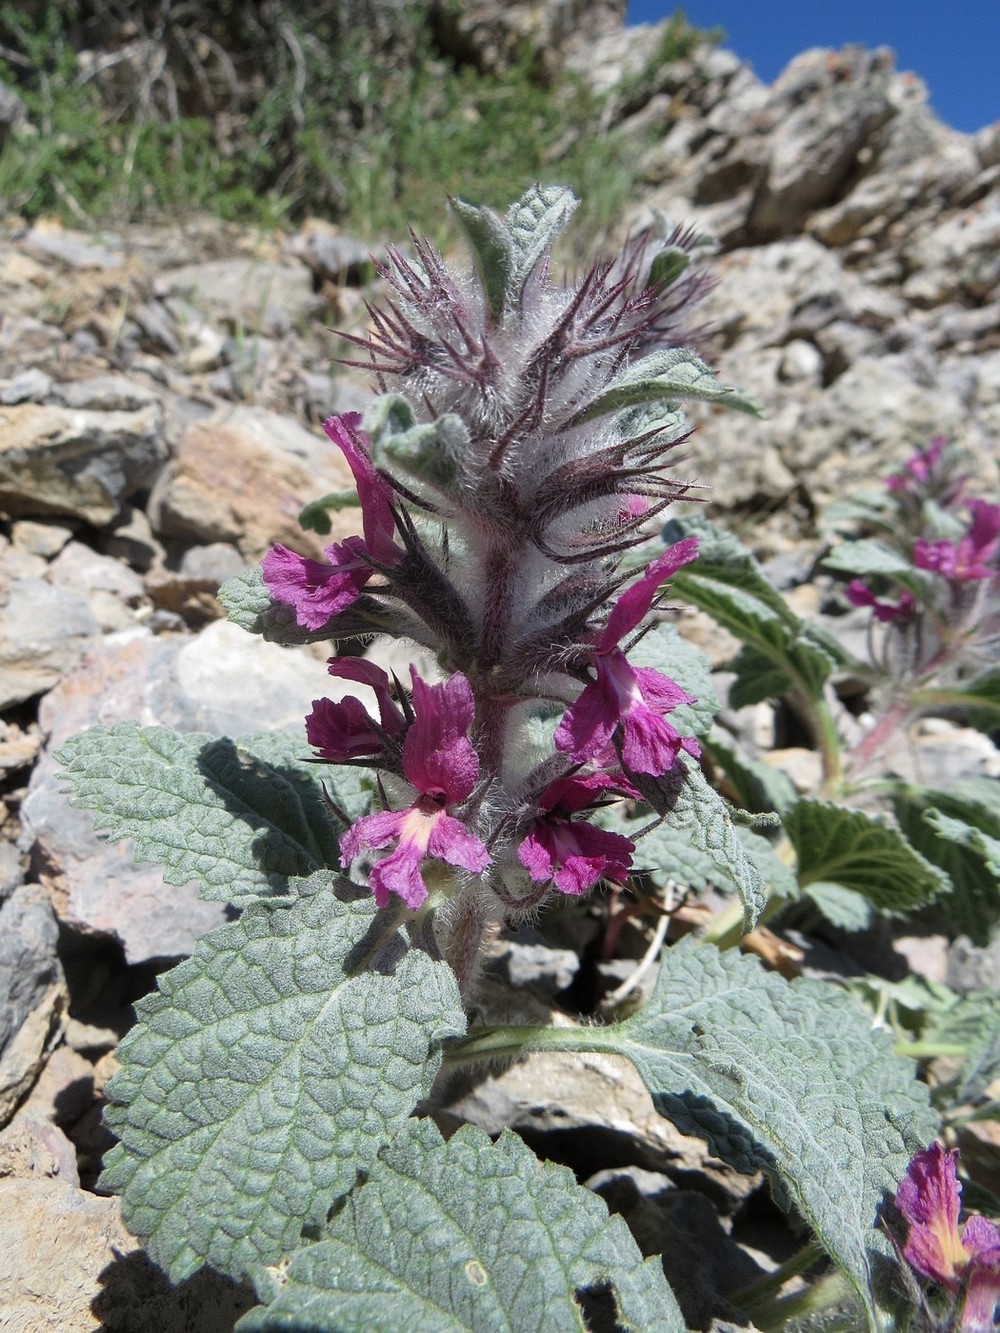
pixel 467 1236
pixel 675 373
pixel 758 786
pixel 315 516
pixel 758 678
pixel 267 1072
pixel 728 582
pixel 978 699
pixel 958 829
pixel 835 845
pixel 844 908
pixel 973 1021
pixel 695 810
pixel 867 557
pixel 665 650
pixel 668 265
pixel 241 817
pixel 785 1077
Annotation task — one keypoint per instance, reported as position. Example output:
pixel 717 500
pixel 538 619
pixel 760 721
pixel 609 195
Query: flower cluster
pixel 504 478
pixel 940 587
pixel 966 1261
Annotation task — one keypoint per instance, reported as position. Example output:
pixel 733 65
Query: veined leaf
pixel 959 830
pixel 533 222
pixel 786 1077
pixel 759 786
pixel 268 1071
pixel 315 516
pixel 242 817
pixel 695 810
pixel 467 1236
pixel 835 845
pixel 491 248
pixel 728 582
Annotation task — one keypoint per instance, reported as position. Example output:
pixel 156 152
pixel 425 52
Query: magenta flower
pixel 974 556
pixel 440 763
pixel 929 1198
pixel 572 853
pixel 918 469
pixel 374 492
pixel 859 594
pixel 344 730
pixel 632 698
pixel 317 591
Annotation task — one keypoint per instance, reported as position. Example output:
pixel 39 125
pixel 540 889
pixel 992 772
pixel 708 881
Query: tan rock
pixel 54 1242
pixel 242 476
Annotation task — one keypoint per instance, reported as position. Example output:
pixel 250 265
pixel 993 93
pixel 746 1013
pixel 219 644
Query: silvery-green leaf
pixel 844 908
pixel 867 557
pixel 789 1078
pixel 467 1236
pixel 533 223
pixel 315 516
pixel 242 817
pixel 267 1071
pixel 491 247
pixel 759 786
pixel 672 374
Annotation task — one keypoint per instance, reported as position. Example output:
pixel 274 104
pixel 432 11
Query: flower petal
pixel 374 491
pixel 318 592
pixel 636 600
pixel 438 757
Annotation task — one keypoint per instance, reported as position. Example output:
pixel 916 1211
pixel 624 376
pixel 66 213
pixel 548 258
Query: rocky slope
pixel 160 398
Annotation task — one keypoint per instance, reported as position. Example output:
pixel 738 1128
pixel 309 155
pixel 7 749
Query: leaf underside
pixel 467 1235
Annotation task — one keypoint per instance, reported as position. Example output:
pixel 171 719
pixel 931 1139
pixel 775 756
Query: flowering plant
pixel 506 479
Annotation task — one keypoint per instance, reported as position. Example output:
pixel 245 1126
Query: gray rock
pixel 105 393
pixel 115 594
pixel 31 1147
pixel 254 295
pixel 33 997
pixel 43 631
pixel 332 256
pixel 73 249
pixel 222 682
pixel 29 386
pixel 84 464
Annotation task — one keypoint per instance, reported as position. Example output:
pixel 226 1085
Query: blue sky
pixel 955 48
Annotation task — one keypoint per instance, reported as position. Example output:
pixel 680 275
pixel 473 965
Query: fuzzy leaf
pixel 672 374
pixel 668 265
pixel 844 908
pixel 268 1071
pixel 759 786
pixel 249 604
pixel 315 516
pixel 977 699
pixel 533 223
pixel 785 1077
pixel 491 247
pixel 973 1021
pixel 241 817
pixel 467 1236
pixel 695 810
pixel 835 845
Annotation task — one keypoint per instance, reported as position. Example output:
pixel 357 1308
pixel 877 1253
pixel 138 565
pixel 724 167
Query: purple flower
pixel 317 591
pixel 632 698
pixel 859 594
pixel 344 730
pixel 929 1198
pixel 971 558
pixel 572 853
pixel 441 765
